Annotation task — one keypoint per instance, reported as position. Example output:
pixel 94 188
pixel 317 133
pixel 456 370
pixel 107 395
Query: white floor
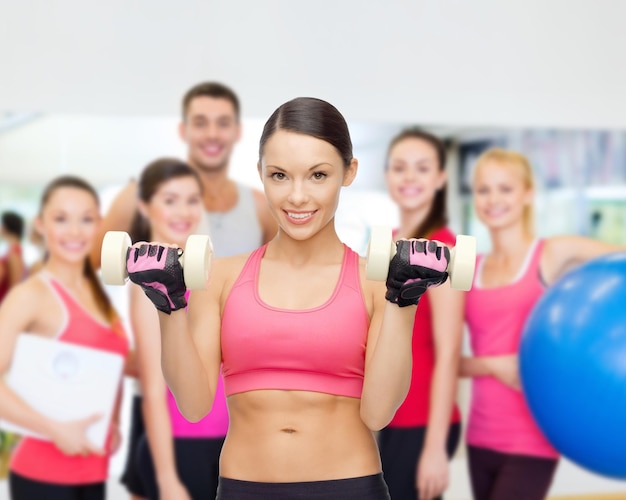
pixel 570 480
pixel 115 491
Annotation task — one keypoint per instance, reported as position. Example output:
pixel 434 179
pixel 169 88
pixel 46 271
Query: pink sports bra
pixel 321 349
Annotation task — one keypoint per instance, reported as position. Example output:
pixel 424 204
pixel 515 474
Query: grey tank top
pixel 236 231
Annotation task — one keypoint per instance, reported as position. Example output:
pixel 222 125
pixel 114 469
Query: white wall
pixel 109 149
pixel 485 62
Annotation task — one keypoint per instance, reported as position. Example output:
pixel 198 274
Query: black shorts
pixel 356 488
pixel 23 488
pixel 400 450
pixel 130 477
pixel 506 476
pixel 197 464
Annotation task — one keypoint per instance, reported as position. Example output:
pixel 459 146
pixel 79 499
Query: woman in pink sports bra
pixel 508 455
pixel 314 358
pixel 65 301
pixel 176 459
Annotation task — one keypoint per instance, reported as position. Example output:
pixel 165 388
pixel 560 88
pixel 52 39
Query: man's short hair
pixel 210 89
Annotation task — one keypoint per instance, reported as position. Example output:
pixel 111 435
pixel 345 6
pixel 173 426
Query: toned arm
pixel 563 253
pixel 190 346
pixel 388 357
pixel 16 318
pixel 447 318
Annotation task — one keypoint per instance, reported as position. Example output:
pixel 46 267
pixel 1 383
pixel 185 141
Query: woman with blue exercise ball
pixel 509 457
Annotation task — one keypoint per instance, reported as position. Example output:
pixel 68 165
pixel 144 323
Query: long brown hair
pixel 102 299
pixel 437 216
pixel 152 177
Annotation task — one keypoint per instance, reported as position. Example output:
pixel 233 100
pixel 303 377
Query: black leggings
pixel 197 464
pixel 400 450
pixel 356 488
pixel 504 476
pixel 22 488
pixel 130 477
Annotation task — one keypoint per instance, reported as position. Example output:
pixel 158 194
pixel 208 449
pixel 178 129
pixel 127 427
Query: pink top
pixel 213 425
pixel 499 418
pixel 42 460
pixel 321 349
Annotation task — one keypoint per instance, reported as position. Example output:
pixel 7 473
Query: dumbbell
pixel 196 266
pixel 382 248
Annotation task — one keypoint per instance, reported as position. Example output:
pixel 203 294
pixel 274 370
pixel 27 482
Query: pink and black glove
pixel 156 270
pixel 416 266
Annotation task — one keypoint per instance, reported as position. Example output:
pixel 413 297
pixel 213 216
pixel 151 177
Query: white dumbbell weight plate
pixel 113 257
pixel 462 263
pixel 380 251
pixel 197 261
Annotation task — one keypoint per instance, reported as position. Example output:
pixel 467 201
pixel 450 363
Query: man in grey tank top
pixel 236 216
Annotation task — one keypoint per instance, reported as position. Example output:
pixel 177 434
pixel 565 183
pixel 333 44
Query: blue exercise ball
pixel 573 365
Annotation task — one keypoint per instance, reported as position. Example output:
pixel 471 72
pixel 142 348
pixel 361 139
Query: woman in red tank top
pixel 63 301
pixel 508 456
pixel 424 433
pixel 12 268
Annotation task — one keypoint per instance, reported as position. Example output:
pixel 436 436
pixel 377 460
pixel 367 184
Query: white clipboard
pixel 65 382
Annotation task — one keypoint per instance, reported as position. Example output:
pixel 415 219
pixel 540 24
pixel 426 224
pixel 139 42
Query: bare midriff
pixel 294 436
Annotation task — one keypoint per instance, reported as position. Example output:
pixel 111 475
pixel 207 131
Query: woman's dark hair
pixel 438 215
pixel 314 117
pixel 13 223
pixel 151 178
pixel 70 181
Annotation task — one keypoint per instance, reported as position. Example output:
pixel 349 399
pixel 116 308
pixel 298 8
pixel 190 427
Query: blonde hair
pixel 520 164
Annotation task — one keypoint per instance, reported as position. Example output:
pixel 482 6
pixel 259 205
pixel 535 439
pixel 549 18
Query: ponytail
pixel 102 299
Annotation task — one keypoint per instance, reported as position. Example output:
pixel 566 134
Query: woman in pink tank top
pixel 314 356
pixel 508 455
pixel 174 458
pixel 65 301
pixel 423 435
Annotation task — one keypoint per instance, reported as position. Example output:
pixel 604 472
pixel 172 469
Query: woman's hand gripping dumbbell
pixel 163 272
pixel 409 267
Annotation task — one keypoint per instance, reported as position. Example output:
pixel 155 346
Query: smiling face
pixel 413 174
pixel 210 129
pixel 302 177
pixel 174 210
pixel 69 222
pixel 502 197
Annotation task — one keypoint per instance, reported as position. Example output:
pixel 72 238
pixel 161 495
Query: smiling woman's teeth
pixel 299 216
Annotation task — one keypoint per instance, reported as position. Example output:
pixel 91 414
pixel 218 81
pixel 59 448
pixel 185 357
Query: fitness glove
pixel 417 265
pixel 156 270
